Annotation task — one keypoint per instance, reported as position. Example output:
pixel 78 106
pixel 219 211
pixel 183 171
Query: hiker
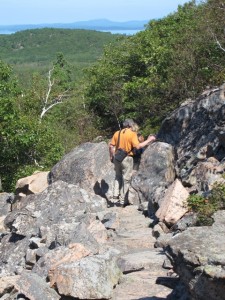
pixel 120 151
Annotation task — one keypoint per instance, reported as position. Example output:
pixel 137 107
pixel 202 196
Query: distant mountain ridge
pixel 101 24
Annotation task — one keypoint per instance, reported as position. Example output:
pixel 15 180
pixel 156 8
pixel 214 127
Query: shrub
pixel 206 206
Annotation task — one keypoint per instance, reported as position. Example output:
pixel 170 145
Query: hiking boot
pixel 112 201
pixel 121 202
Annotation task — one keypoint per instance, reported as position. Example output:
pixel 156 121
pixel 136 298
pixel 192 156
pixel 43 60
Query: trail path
pixel 141 262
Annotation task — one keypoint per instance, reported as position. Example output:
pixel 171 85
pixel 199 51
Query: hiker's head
pixel 128 123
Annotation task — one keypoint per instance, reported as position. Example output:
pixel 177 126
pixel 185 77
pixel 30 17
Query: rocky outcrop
pixel 196 130
pixel 53 253
pixel 195 133
pixel 198 255
pixel 66 241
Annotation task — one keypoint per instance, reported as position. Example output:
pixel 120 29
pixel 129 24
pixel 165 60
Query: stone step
pixel 145 259
pixel 141 285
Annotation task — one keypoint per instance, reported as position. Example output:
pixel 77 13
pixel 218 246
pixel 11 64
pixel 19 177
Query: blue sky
pixel 67 11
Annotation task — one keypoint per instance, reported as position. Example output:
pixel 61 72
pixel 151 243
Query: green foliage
pixel 62 72
pixel 25 143
pixel 71 120
pixel 217 195
pixel 206 206
pixel 34 50
pixel 148 75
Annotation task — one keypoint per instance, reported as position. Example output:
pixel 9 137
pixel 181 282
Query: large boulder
pixel 91 277
pixel 198 256
pixel 35 288
pixel 88 166
pixel 33 184
pixel 174 204
pixel 55 213
pixel 196 131
pixel 156 172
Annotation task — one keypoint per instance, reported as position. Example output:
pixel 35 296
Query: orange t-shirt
pixel 128 140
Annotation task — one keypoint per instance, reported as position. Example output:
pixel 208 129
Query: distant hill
pixel 101 24
pixel 35 49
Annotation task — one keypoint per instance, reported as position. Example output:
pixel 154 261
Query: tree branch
pixel 217 41
pixel 59 99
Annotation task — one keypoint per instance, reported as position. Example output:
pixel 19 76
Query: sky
pixel 13 12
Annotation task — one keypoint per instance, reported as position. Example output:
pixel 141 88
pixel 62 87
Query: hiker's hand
pixel 151 138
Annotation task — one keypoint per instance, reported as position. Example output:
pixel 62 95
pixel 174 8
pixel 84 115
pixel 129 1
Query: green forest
pixel 63 87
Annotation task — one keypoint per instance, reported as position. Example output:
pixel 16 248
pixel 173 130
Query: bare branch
pixel 54 102
pixel 50 85
pixel 44 110
pixel 217 42
pixel 59 99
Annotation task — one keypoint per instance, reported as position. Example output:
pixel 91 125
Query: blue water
pixel 6 32
pixel 127 32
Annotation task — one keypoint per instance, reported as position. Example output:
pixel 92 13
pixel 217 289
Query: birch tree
pixel 58 85
pixel 49 102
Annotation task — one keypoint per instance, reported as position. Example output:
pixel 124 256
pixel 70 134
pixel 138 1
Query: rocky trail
pixel 62 239
pixel 140 262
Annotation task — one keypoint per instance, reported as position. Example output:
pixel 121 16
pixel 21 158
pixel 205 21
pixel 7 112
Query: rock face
pixel 196 130
pixel 198 255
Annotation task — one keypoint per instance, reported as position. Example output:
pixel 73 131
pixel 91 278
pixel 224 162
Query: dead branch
pixel 217 41
pixel 57 100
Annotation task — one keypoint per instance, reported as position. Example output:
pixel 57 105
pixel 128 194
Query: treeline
pixel 143 77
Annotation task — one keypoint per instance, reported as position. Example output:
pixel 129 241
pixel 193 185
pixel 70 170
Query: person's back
pixel 127 140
